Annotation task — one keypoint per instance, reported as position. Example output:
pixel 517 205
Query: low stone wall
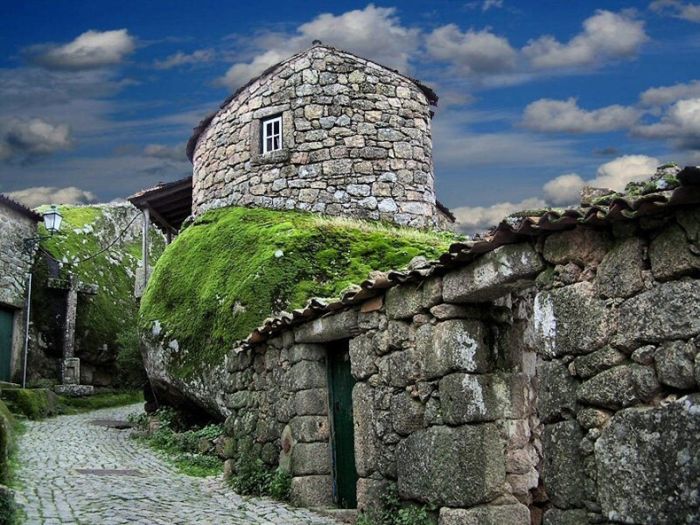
pixel 552 381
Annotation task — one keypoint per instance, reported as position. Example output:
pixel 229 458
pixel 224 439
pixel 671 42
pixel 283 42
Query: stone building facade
pixel 355 141
pixel 549 374
pixel 17 223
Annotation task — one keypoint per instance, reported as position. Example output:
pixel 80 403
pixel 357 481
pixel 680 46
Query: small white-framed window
pixel 272 134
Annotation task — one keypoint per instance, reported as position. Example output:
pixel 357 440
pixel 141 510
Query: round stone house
pixel 324 131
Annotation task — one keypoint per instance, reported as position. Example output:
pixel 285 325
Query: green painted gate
pixel 6 322
pixel 340 383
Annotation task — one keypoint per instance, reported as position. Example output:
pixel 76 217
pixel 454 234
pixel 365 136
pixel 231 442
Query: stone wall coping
pixel 523 227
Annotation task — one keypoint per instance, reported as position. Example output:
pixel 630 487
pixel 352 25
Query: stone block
pixel 571 320
pixel 516 514
pixel 675 364
pixel 311 458
pixel 455 311
pixel 407 414
pixel 589 365
pixel 667 311
pixel 671 256
pixel 556 399
pixel 618 387
pixel 562 464
pixel 565 517
pixel 582 245
pixel 306 374
pixel 620 272
pixel 406 300
pixel 648 466
pixel 306 352
pixel 367 444
pixel 451 346
pixel 363 356
pixel 496 273
pixel 312 402
pixel 312 491
pixel 458 467
pixel 339 326
pixel 370 493
pixel 469 398
pixel 308 429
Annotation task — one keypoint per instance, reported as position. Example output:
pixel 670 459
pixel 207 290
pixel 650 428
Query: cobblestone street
pixel 51 452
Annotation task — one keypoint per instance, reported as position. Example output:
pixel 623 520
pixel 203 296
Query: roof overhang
pixel 169 204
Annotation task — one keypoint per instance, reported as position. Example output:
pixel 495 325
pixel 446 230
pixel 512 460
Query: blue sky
pixel 536 98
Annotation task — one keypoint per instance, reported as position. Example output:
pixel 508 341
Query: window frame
pixel 270 121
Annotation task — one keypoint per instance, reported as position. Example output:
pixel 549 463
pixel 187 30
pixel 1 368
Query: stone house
pixel 548 372
pixel 324 131
pixel 17 223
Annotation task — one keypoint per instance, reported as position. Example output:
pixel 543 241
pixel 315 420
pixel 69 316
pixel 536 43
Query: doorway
pixel 6 325
pixel 340 383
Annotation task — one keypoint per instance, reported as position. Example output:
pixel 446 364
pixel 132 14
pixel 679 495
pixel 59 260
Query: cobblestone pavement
pixel 53 492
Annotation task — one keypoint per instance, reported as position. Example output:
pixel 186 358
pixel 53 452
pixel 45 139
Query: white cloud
pixel 617 173
pixel 606 35
pixel 33 197
pixel 564 189
pixel 566 116
pixel 178 59
pixel 677 9
pixel 681 124
pixel 488 4
pixel 159 151
pixel 24 139
pixel 661 96
pixel 472 219
pixel 472 51
pixel 373 32
pixel 92 49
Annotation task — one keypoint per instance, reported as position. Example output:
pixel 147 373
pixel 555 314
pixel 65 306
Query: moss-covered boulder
pixel 34 403
pixel 99 245
pixel 234 267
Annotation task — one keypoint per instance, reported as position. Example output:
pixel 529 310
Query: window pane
pixel 268 143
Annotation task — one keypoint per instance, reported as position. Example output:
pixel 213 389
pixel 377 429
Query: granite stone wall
pixel 554 382
pixel 356 142
pixel 15 261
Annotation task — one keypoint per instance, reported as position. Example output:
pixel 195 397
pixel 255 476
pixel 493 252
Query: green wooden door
pixel 6 322
pixel 340 384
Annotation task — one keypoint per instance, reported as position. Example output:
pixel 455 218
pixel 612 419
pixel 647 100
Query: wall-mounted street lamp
pixel 52 223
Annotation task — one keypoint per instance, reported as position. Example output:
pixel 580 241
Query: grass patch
pixel 253 478
pixel 393 512
pixel 233 267
pixel 191 451
pixel 75 405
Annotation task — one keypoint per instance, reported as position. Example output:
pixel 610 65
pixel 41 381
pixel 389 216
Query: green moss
pixel 86 231
pixel 74 405
pixel 33 403
pixel 234 267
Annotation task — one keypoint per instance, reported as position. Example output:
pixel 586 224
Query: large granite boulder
pixel 648 464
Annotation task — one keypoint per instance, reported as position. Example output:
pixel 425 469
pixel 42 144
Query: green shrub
pixel 280 485
pixel 393 513
pixel 182 447
pixel 130 366
pixel 252 477
pixel 8 507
